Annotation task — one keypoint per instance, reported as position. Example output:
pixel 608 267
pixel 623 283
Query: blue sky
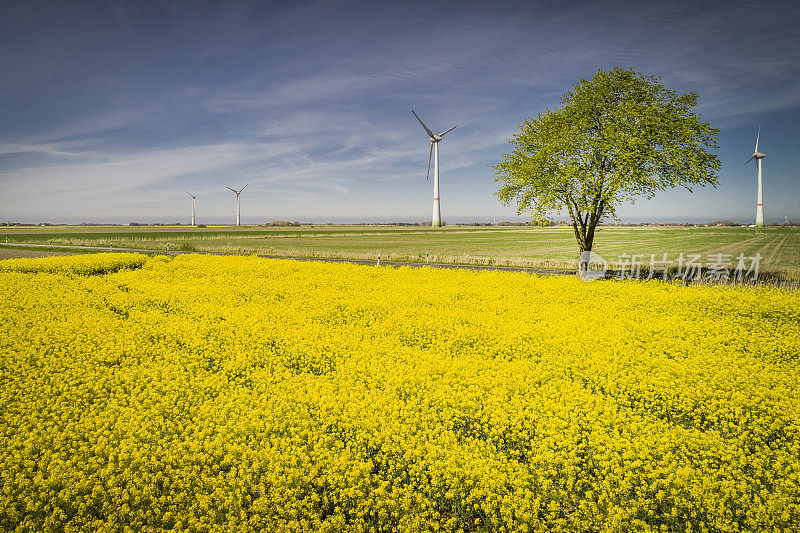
pixel 109 110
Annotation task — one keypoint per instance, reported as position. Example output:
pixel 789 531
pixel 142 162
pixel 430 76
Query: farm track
pixel 545 271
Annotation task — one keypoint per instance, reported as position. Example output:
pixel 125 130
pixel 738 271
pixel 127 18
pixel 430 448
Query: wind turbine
pixel 237 201
pixel 436 220
pixel 758 156
pixel 194 204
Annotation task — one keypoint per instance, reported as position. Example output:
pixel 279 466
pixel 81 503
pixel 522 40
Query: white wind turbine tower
pixel 436 220
pixel 194 204
pixel 237 201
pixel 758 156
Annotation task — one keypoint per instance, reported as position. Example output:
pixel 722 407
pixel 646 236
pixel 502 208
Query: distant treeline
pixel 534 223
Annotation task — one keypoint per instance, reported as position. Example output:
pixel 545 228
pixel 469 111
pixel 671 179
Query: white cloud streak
pixel 314 113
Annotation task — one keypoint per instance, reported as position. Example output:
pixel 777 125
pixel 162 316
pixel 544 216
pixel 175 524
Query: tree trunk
pixel 585 242
pixel 588 239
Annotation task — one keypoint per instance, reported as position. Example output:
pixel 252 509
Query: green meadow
pixel 550 247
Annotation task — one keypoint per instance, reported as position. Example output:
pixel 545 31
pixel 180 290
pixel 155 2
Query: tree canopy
pixel 616 137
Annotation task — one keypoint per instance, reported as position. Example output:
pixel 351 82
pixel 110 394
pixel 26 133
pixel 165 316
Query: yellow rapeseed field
pixel 245 394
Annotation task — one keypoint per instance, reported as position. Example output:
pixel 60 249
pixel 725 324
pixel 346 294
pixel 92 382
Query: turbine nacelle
pixel 437 138
pixel 756 156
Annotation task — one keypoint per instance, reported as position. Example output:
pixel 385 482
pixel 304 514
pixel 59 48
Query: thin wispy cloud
pixel 125 105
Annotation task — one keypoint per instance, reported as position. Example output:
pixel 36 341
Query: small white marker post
pixel 426 257
pixel 379 260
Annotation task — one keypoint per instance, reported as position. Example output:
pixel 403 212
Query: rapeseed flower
pixel 244 394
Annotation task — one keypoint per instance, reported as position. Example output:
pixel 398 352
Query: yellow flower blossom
pixel 243 394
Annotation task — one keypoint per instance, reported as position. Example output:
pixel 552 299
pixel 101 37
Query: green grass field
pixel 553 247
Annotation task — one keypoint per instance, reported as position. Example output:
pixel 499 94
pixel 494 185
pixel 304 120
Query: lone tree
pixel 614 138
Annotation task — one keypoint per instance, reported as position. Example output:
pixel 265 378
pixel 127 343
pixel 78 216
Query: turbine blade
pixel 430 154
pixel 757 136
pixel 234 190
pixel 751 158
pixel 448 131
pixel 243 188
pixel 430 133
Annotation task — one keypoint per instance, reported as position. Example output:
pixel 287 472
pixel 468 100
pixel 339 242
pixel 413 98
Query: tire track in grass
pixel 789 254
pixel 740 246
pixel 775 249
pixel 643 249
pixel 765 249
